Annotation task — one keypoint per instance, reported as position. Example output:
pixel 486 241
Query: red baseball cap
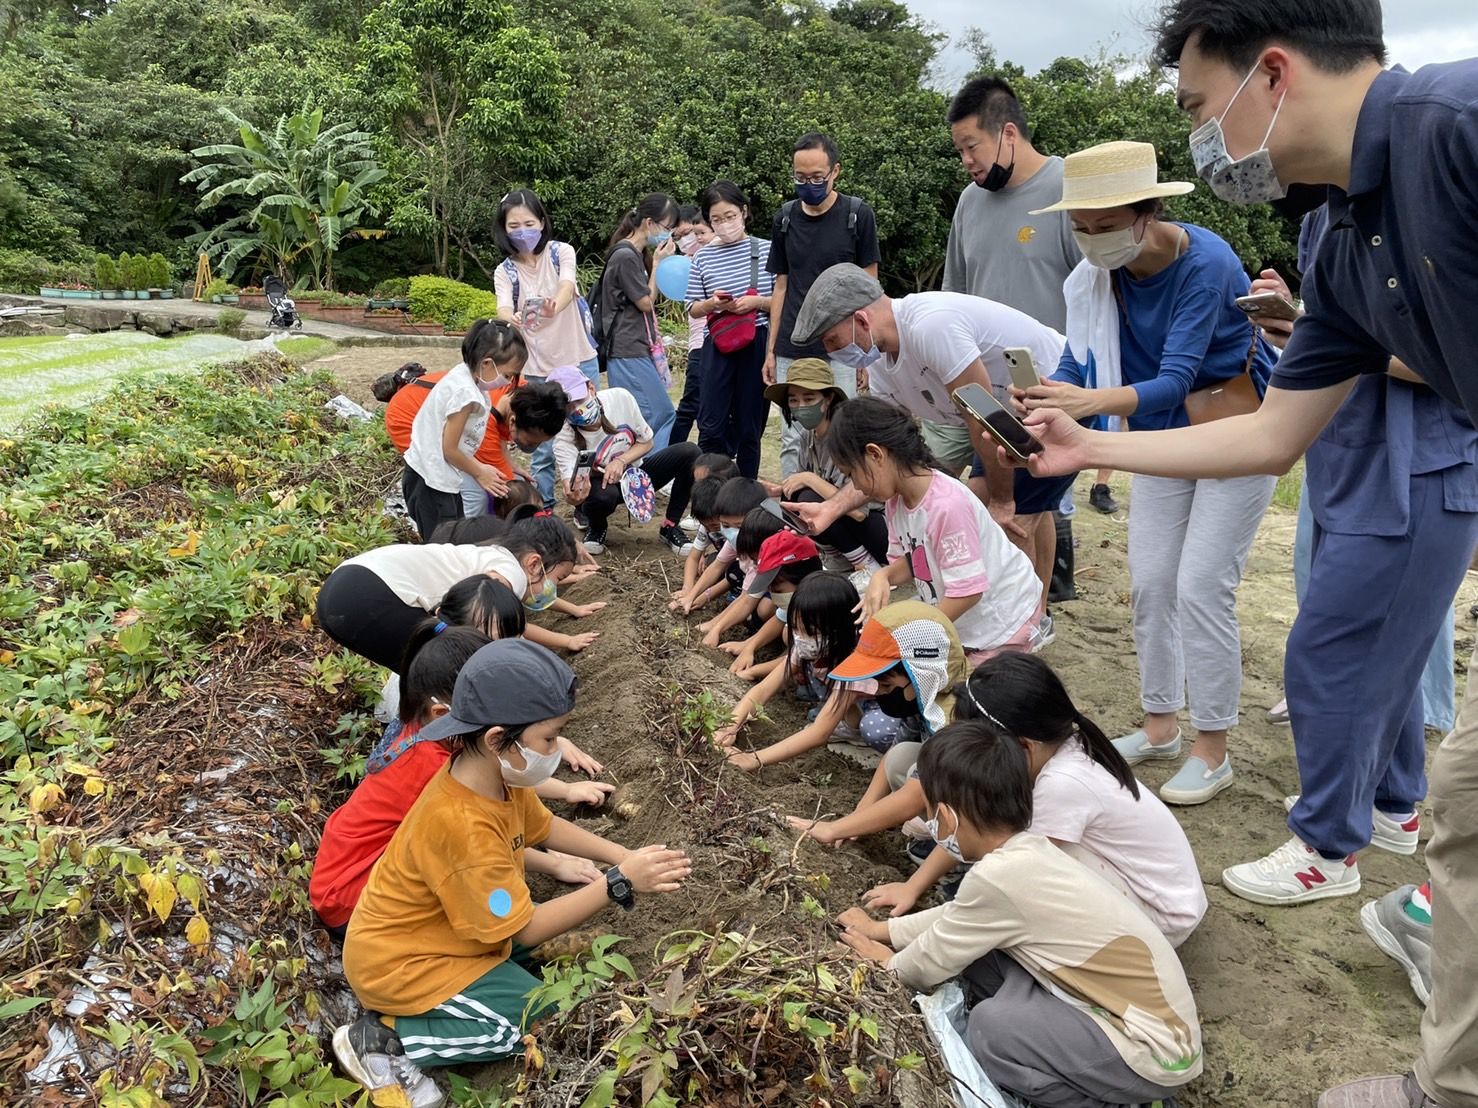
pixel 781 549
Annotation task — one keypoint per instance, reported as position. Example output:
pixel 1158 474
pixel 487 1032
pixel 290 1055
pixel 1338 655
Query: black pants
pixel 848 534
pixel 359 611
pixel 428 507
pixel 687 407
pixel 732 408
pixel 674 463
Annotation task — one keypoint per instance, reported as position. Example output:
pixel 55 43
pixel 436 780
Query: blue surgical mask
pixel 658 237
pixel 731 535
pixel 814 195
pixel 539 599
pixel 950 842
pixel 781 601
pixel 853 355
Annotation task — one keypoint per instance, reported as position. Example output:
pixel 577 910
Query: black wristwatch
pixel 618 888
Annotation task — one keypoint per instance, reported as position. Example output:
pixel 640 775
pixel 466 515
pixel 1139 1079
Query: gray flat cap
pixel 838 292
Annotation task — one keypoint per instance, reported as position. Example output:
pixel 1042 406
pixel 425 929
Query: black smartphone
pixel 978 404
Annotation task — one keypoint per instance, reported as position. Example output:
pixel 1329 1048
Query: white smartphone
pixel 1023 367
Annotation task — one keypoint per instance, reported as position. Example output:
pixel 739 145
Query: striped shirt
pixel 726 266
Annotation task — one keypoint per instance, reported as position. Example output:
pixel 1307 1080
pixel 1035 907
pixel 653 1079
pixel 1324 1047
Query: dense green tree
pixel 470 100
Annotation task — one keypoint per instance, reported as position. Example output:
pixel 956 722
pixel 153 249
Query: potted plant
pixel 75 290
pixel 219 291
pixel 252 296
pixel 160 279
pixel 393 293
pixel 107 276
pixel 125 276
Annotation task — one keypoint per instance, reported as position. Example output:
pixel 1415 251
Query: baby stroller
pixel 284 310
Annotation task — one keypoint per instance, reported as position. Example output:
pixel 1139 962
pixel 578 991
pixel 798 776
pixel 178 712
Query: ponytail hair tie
pixel 543 513
pixel 441 626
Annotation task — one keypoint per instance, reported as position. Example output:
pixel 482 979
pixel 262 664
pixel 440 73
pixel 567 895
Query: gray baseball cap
pixel 508 683
pixel 840 290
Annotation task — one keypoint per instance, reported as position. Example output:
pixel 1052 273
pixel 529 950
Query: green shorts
pixel 485 1022
pixel 949 443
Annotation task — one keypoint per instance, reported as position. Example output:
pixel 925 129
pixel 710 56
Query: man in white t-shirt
pixel 920 348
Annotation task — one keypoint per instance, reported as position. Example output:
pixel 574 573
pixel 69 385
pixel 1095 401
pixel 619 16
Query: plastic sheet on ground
pixel 347 410
pixel 945 1016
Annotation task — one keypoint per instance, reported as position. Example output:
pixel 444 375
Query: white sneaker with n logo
pixel 1295 873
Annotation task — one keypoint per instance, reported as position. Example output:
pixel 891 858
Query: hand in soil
pixel 895 896
pixel 593 793
pixel 821 830
pixel 572 870
pixel 588 567
pixel 584 611
pixel 710 640
pixel 655 869
pixel 724 737
pixel 578 643
pixel 869 950
pixel 747 760
pixel 743 661
pixel 855 919
pixel 577 759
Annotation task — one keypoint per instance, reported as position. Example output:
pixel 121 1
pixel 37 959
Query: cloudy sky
pixel 1417 31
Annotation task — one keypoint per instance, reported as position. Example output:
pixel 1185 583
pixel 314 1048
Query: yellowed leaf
pixel 190 545
pixel 127 618
pixel 6 657
pixel 159 892
pixel 390 1096
pixel 197 931
pixel 533 1057
pixel 93 786
pixel 81 769
pixel 45 797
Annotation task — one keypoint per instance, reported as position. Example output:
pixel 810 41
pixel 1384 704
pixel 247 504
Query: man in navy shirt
pixel 1288 91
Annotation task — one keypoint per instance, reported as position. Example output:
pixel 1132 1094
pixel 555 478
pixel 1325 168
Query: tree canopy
pixel 592 103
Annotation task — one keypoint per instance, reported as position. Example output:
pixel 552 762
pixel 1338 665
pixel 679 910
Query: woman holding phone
pixel 1155 338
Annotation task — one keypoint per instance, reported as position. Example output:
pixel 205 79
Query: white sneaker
pixel 1386 832
pixel 1292 874
pixel 1278 713
pixel 361 1049
pixel 690 525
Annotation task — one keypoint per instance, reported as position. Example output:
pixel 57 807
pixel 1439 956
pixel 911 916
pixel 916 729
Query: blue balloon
pixel 672 276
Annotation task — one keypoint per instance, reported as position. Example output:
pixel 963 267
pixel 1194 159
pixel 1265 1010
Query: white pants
pixel 1188 544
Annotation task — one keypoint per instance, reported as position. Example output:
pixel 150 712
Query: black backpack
pixel 603 314
pixel 853 205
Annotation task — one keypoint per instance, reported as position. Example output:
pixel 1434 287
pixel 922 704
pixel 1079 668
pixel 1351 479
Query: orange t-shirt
pixel 445 899
pixel 360 828
pixel 401 411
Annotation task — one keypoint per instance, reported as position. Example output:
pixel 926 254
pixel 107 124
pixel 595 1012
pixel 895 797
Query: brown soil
pixel 1291 1000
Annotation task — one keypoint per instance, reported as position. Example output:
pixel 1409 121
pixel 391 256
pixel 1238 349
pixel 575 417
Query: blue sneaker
pixel 1136 747
pixel 1196 782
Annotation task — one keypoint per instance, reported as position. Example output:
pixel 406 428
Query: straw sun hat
pixel 1112 175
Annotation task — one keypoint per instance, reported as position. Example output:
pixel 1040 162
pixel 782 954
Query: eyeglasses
pixel 813 179
pixel 725 220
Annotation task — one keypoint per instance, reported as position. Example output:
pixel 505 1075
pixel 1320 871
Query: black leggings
pixel 687 407
pixel 674 463
pixel 428 507
pixel 847 534
pixel 359 611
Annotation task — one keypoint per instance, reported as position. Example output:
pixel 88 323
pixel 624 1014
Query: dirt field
pixel 1291 1000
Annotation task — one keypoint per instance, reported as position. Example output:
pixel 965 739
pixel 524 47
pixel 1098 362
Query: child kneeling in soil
pixel 822 623
pixel 726 574
pixel 439 946
pixel 782 560
pixel 397 771
pixel 1084 798
pixel 746 609
pixel 1077 997
pixel 909 659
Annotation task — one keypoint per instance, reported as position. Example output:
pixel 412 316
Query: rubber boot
pixel 1062 587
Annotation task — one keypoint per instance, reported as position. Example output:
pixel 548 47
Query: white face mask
pixel 805 647
pixel 1110 249
pixel 1247 180
pixel 537 768
pixel 950 842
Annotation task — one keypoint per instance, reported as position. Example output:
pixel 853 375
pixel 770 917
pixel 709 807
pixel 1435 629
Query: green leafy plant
pixel 159 274
pixel 267 1054
pixel 230 320
pixel 107 272
pixel 218 286
pixel 450 303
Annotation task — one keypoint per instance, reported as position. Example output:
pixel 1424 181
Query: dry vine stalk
pixel 730 1019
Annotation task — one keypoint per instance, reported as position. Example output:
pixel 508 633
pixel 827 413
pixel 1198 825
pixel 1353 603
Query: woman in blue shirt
pixel 1152 319
pixel 727 283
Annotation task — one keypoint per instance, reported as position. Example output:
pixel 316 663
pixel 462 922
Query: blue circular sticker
pixel 500 902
